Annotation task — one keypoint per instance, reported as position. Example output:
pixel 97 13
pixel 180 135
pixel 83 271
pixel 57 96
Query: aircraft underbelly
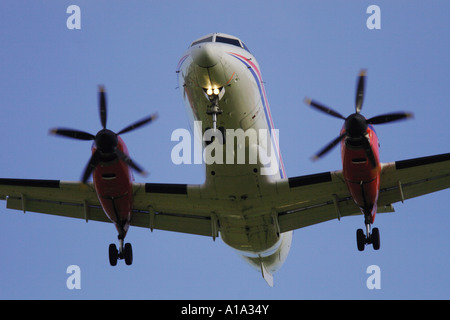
pixel 249 234
pixel 246 225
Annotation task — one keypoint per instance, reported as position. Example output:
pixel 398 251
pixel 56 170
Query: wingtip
pixel 307 101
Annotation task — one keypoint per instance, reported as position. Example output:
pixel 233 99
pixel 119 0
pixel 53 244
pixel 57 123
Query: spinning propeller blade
pixel 355 124
pixel 105 140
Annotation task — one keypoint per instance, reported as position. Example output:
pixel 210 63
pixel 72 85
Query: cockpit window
pixel 208 39
pixel 217 38
pixel 234 42
pixel 245 47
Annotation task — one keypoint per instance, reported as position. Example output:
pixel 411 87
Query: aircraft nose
pixel 206 56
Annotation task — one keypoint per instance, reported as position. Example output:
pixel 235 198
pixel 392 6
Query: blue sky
pixel 49 77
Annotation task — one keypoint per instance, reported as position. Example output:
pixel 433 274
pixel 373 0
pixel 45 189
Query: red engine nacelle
pixel 361 175
pixel 113 182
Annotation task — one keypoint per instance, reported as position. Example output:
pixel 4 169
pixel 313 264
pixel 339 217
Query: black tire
pixel 360 239
pixel 113 254
pixel 376 238
pixel 128 254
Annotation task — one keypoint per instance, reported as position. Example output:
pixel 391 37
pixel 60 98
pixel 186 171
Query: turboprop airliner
pixel 251 204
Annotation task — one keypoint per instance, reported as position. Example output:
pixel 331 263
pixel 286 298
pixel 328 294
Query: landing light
pixel 213 91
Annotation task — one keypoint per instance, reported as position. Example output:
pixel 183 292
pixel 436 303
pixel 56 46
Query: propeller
pixel 105 140
pixel 356 124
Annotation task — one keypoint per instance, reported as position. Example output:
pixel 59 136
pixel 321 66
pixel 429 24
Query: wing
pixel 312 199
pixel 298 201
pixel 411 178
pixel 69 199
pixel 172 207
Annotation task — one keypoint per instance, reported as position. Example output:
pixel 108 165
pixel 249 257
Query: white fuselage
pixel 227 77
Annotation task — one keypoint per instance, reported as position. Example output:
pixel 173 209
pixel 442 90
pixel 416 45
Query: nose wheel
pixel 372 238
pixel 124 253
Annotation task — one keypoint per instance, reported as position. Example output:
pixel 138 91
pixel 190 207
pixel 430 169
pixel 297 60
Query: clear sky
pixel 49 76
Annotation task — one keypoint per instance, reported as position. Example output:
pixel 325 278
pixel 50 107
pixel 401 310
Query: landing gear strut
pixel 124 252
pixel 368 238
pixel 214 110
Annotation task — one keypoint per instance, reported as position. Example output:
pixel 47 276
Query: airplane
pixel 253 206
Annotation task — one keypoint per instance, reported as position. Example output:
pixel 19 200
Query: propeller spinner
pixel 356 124
pixel 105 140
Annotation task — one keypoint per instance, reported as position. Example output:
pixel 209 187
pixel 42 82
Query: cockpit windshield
pixel 234 42
pixel 207 39
pixel 222 38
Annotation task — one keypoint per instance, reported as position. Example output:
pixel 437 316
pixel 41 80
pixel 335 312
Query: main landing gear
pixel 371 238
pixel 124 252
